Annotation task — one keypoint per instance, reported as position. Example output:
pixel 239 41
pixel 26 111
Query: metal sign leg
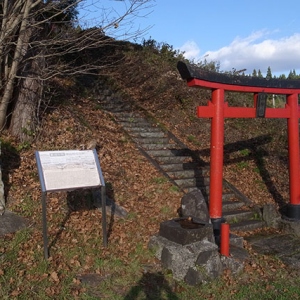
pixel 45 237
pixel 103 199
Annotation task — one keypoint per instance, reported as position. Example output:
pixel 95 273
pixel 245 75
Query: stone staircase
pixel 178 163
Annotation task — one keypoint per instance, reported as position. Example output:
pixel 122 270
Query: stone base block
pixel 236 240
pixel 290 226
pixel 157 243
pixel 208 266
pixel 236 261
pixel 185 231
pixel 180 258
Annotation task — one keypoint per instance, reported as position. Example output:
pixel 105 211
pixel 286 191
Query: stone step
pixel 178 163
pixel 227 196
pixel 127 114
pixel 187 173
pixel 188 182
pixel 111 101
pixel 129 124
pixel 131 118
pixel 105 101
pixel 116 110
pixel 166 160
pixel 203 188
pixel 191 184
pixel 147 134
pixel 169 152
pixel 237 216
pixel 152 140
pixel 119 109
pixel 157 146
pixel 184 166
pixel 113 110
pixel 143 129
pixel 247 225
pixel 140 128
pixel 230 205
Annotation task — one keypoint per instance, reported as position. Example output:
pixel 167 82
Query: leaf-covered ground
pixel 73 223
pixel 255 162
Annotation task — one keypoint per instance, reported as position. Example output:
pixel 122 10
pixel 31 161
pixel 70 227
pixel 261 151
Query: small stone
pixel 10 223
pixel 193 204
pixel 271 216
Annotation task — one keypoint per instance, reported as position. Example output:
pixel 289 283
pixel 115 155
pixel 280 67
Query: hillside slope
pixel 255 162
pixel 255 149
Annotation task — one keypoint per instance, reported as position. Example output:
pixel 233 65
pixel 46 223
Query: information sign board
pixel 69 170
pixel 66 170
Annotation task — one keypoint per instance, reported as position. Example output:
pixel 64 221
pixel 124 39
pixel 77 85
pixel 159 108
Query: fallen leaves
pixel 74 228
pixel 54 277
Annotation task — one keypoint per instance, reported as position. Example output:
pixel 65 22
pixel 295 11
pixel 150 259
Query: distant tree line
pixel 292 74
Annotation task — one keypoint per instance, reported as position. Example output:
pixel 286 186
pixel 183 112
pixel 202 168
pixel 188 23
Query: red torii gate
pixel 217 109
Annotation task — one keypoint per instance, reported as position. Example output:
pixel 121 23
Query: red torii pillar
pixel 217 109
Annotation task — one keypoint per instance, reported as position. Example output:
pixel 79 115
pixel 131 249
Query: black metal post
pixel 103 199
pixel 45 237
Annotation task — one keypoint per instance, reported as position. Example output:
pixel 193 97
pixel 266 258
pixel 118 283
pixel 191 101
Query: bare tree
pixel 41 39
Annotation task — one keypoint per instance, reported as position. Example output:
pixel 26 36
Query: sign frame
pixel 68 170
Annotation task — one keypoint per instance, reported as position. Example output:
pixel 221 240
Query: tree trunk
pixel 19 53
pixel 24 117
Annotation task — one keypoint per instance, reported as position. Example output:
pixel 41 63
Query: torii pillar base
pixel 293 212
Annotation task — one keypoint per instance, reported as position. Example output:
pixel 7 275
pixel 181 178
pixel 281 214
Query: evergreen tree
pixel 259 74
pixel 282 76
pixel 292 74
pixel 269 73
pixel 254 73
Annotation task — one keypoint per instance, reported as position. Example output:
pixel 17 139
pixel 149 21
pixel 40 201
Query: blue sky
pixel 238 34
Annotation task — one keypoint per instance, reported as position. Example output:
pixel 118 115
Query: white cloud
pixel 256 52
pixel 190 49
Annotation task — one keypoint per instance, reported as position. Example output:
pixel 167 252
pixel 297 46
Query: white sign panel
pixel 70 169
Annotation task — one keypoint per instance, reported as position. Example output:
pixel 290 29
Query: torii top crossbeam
pixel 217 109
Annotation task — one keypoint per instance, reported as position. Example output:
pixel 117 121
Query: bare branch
pixel 50 32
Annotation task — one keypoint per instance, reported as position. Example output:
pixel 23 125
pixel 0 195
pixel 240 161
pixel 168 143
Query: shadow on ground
pixel 153 286
pixel 254 150
pixel 86 199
